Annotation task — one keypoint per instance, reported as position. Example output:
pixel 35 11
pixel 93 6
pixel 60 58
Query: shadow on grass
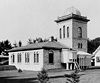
pixel 12 80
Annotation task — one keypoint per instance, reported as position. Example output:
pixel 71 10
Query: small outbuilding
pixel 83 59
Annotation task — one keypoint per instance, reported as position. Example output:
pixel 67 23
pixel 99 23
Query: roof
pixel 72 10
pixel 94 53
pixel 49 44
pixel 82 53
pixel 71 16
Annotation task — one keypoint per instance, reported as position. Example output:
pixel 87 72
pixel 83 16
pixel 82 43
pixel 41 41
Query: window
pixel 98 59
pixel 12 58
pixel 79 32
pixel 67 31
pixel 36 57
pixel 60 33
pixel 79 45
pixel 51 57
pixel 64 31
pixel 19 57
pixel 27 57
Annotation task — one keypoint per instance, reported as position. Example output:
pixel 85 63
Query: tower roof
pixel 72 10
pixel 72 13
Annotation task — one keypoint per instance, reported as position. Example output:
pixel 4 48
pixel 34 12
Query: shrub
pixel 43 76
pixel 73 77
pixel 19 70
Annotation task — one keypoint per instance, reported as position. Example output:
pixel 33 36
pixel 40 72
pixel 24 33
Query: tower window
pixel 51 57
pixel 79 45
pixel 60 33
pixel 67 31
pixel 79 32
pixel 64 31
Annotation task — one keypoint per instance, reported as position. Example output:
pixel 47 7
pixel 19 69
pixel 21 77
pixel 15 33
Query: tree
pixel 39 40
pixel 30 41
pixel 73 77
pixel 43 76
pixel 93 44
pixel 15 44
pixel 4 46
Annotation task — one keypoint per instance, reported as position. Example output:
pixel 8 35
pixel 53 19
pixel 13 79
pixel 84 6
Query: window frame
pixel 51 53
pixel 67 32
pixel 64 31
pixel 12 58
pixel 60 33
pixel 27 57
pixel 36 57
pixel 19 57
pixel 79 32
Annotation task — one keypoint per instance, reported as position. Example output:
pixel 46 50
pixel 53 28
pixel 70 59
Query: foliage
pixel 30 41
pixel 19 70
pixel 93 44
pixel 4 46
pixel 43 76
pixel 73 77
pixel 15 45
pixel 39 40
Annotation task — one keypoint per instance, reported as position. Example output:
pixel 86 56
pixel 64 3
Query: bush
pixel 43 76
pixel 73 77
pixel 19 70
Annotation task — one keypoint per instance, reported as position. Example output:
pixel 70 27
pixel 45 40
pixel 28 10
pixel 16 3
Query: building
pixel 96 57
pixel 40 55
pixel 72 29
pixel 72 38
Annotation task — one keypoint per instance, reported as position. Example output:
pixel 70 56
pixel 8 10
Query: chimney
pixel 52 38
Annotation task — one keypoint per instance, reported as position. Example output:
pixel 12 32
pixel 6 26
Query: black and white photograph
pixel 49 41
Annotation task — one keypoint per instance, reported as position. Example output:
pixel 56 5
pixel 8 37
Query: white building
pixel 72 37
pixel 96 57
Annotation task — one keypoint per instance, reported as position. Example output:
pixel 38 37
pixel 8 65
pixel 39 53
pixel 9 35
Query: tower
pixel 72 29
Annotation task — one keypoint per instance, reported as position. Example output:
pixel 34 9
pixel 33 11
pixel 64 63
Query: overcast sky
pixel 23 19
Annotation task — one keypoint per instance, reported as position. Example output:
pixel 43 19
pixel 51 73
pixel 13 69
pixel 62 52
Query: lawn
pixel 88 76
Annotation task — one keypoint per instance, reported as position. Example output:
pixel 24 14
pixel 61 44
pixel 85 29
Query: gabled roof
pixel 49 44
pixel 94 53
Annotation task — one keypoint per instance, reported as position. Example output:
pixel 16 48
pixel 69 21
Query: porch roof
pixel 83 53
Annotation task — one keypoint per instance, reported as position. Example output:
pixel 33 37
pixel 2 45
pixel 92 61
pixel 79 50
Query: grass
pixel 88 76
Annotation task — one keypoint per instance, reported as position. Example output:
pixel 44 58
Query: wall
pixel 66 41
pixel 85 60
pixel 57 59
pixel 75 38
pixel 31 65
pixel 67 56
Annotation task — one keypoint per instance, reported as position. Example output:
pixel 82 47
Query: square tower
pixel 72 29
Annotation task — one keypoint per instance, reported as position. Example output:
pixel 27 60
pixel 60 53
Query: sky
pixel 24 19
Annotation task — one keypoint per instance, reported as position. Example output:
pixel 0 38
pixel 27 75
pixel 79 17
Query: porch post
pixel 67 66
